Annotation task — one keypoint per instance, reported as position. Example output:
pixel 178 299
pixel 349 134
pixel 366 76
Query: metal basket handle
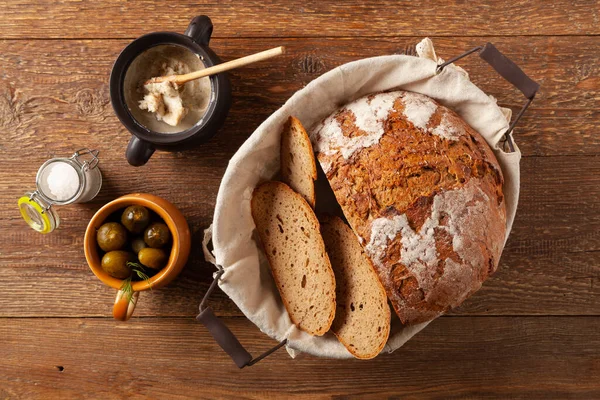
pixel 509 71
pixel 223 335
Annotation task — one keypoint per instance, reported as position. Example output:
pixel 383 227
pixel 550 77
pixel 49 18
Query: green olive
pixel 157 235
pixel 137 245
pixel 153 258
pixel 115 262
pixel 135 218
pixel 111 236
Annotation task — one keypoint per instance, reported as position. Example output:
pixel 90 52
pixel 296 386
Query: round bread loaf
pixel 423 192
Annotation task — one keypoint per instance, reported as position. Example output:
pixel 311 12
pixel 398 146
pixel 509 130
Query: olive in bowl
pixel 152 258
pixel 135 218
pixel 116 263
pixel 111 236
pixel 157 235
pixel 137 245
pixel 144 261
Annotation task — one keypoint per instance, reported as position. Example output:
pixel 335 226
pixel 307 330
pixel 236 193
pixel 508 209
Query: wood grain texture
pixel 531 332
pixel 298 18
pixel 550 266
pixel 555 283
pixel 69 79
pixel 482 358
pixel 558 211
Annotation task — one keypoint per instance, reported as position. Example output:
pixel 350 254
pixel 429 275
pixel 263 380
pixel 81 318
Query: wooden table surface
pixel 532 331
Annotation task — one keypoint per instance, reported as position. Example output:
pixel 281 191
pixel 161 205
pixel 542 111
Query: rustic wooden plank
pixel 534 278
pixel 560 199
pixel 483 358
pixel 556 282
pixel 114 18
pixel 559 202
pixel 550 266
pixel 65 88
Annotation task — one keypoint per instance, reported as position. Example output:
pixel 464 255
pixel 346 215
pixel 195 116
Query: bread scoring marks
pixel 447 129
pixel 418 109
pixel 370 115
pixel 464 211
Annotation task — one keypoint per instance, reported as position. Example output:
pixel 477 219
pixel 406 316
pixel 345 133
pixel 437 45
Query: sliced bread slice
pixel 362 317
pixel 298 167
pixel 289 232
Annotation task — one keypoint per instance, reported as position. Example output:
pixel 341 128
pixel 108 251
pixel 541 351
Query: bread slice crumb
pixel 291 238
pixel 298 166
pixel 362 318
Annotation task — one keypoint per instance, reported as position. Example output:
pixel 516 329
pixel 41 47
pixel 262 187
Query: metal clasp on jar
pixel 92 158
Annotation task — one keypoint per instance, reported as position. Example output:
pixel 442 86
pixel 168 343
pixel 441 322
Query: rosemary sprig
pixel 139 270
pixel 127 289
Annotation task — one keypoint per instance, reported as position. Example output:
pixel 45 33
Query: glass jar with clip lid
pixel 61 181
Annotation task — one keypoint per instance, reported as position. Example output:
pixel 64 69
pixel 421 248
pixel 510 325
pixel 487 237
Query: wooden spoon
pixel 181 79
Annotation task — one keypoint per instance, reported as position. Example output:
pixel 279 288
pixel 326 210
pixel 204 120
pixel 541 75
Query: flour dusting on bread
pixel 446 129
pixel 415 246
pixel 458 212
pixel 369 114
pixel 418 109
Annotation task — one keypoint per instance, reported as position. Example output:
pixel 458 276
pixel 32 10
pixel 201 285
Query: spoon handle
pixel 240 62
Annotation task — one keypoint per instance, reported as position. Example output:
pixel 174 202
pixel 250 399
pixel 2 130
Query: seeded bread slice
pixel 362 317
pixel 298 167
pixel 289 232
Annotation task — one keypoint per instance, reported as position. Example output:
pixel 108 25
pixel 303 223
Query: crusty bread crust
pixel 298 165
pixel 423 191
pixel 291 239
pixel 362 317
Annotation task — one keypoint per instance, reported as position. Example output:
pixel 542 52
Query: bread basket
pixel 242 271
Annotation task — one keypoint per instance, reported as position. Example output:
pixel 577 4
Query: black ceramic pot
pixel 145 141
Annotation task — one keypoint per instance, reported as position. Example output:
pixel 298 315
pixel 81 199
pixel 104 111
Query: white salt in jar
pixel 61 181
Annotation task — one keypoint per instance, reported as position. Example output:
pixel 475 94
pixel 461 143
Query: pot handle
pixel 223 335
pixel 509 71
pixel 200 29
pixel 138 151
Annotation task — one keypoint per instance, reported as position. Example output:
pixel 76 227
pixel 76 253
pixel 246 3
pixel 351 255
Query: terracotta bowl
pixel 180 250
